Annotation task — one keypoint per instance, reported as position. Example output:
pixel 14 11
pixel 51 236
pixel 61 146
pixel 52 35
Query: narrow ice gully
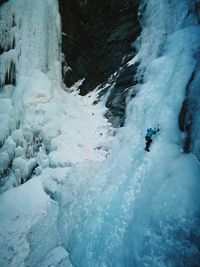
pixel 96 198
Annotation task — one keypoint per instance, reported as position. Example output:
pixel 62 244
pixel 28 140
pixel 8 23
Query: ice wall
pixel 118 207
pixel 30 36
pixel 30 76
pixel 142 209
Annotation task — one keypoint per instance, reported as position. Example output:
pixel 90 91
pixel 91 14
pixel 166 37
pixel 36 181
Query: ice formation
pixel 95 197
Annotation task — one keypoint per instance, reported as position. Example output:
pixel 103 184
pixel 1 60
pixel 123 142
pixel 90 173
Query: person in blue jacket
pixel 148 137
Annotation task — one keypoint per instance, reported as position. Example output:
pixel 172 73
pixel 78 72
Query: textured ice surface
pixel 95 198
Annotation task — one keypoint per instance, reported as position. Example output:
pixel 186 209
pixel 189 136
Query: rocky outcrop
pixel 3 1
pixel 189 115
pixel 185 124
pixel 97 38
pixel 121 87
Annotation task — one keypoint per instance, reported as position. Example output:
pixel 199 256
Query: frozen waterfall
pixel 95 197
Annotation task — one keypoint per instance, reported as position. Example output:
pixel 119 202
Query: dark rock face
pixel 97 38
pixel 3 1
pixel 116 102
pixel 189 112
pixel 185 124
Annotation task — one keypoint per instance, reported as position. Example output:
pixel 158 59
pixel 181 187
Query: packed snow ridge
pixel 75 191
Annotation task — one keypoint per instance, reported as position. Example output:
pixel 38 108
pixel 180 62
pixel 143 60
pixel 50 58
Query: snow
pixel 21 208
pixel 92 196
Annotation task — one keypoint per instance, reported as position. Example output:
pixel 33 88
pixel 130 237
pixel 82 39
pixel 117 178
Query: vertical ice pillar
pixel 30 37
pixel 30 76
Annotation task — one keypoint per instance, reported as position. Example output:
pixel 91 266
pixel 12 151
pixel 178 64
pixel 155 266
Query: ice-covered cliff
pixel 30 78
pixel 75 190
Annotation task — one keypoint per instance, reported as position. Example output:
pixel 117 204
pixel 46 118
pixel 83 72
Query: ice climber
pixel 148 137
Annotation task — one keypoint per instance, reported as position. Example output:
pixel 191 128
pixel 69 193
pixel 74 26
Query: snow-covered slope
pixel 95 197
